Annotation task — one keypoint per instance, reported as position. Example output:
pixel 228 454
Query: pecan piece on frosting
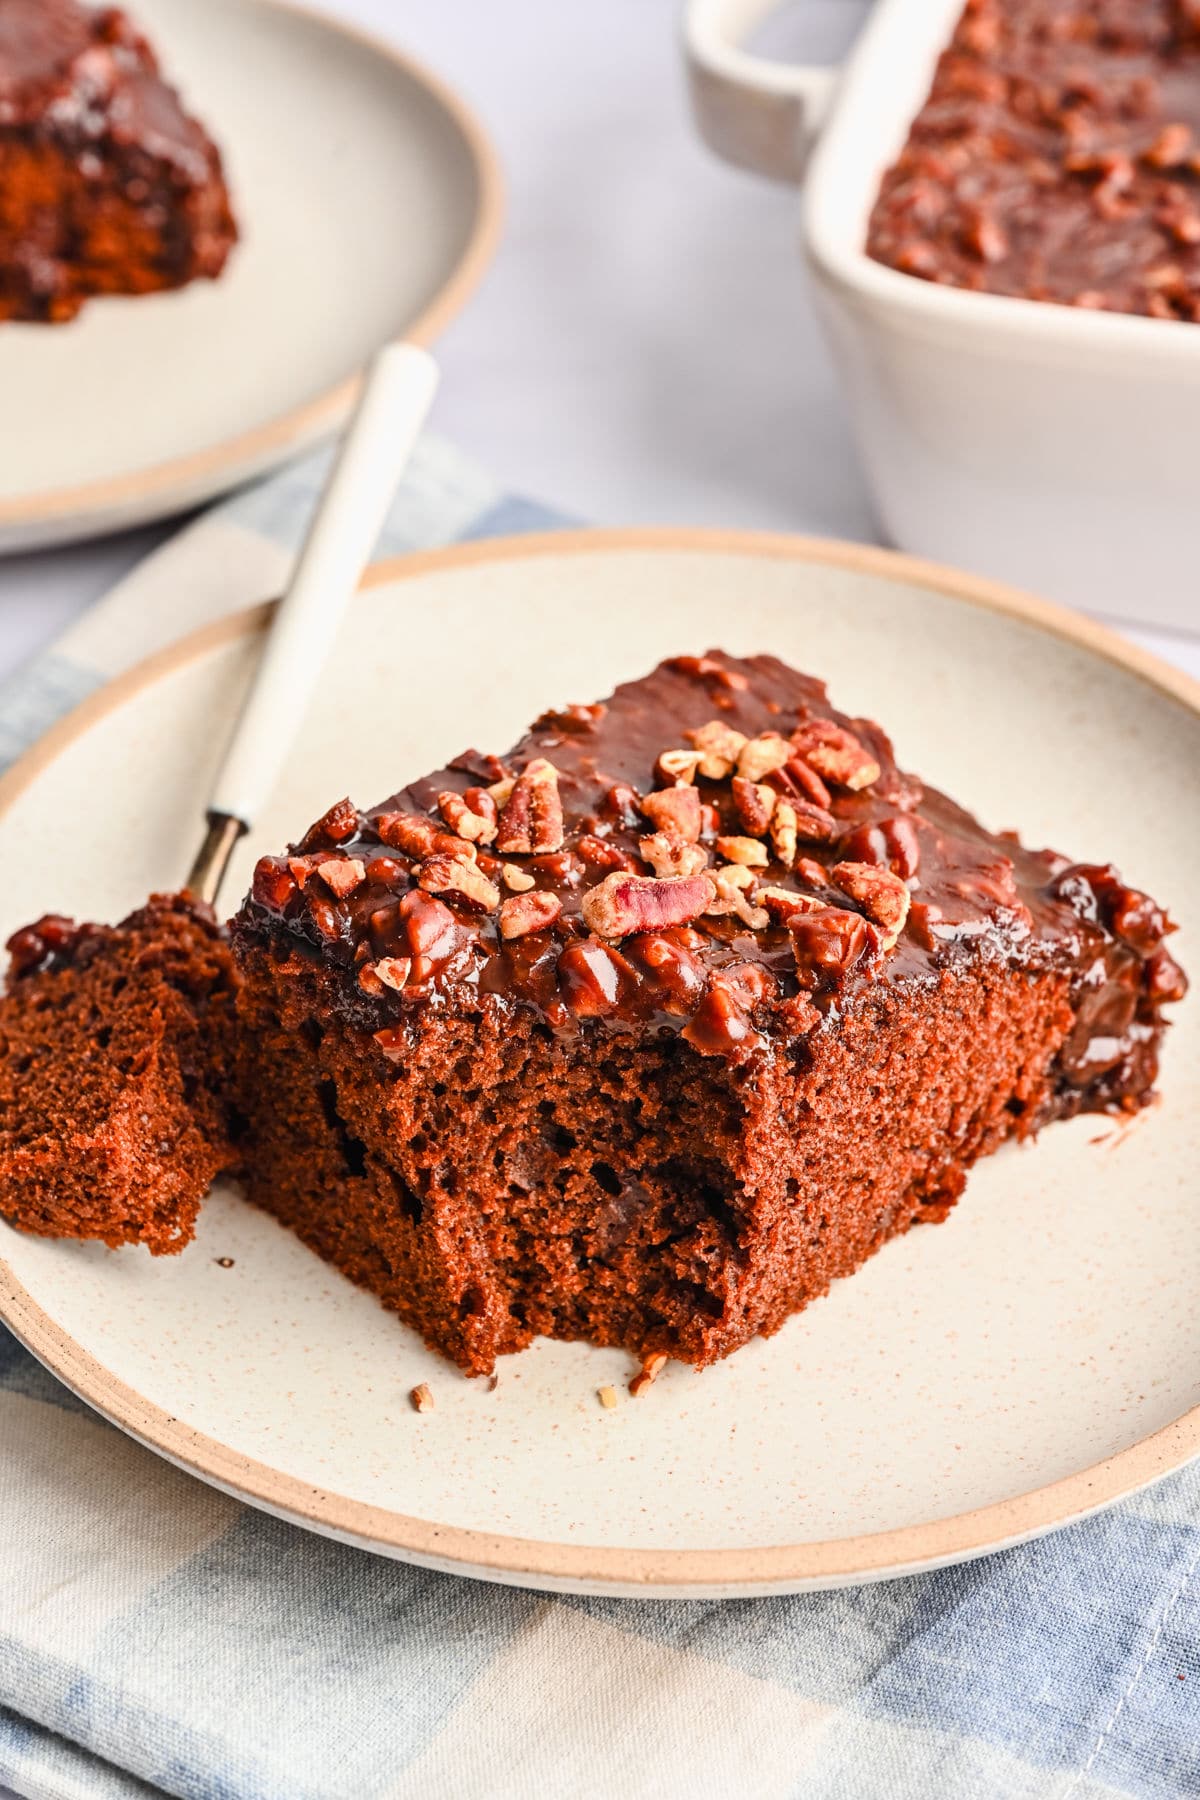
pixel 523 913
pixel 677 767
pixel 333 827
pixel 516 878
pixel 531 822
pixel 342 874
pixel 755 803
pixel 835 753
pixel 784 903
pixel 719 746
pixel 623 904
pixel 443 874
pixel 389 972
pixel 828 941
pixel 707 668
pixel 669 855
pixel 798 782
pixel 730 885
pixel 418 836
pixel 883 896
pixel 762 754
pixel 784 832
pixel 675 809
pixel 594 979
pixel 748 851
pixel 473 819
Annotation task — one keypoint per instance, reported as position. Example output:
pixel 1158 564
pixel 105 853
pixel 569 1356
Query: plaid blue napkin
pixel 155 1636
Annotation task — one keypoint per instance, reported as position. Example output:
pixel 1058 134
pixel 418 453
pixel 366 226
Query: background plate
pixel 368 200
pixel 1035 1357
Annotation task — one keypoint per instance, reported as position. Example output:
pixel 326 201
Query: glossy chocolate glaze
pixel 736 983
pixel 85 75
pixel 1057 158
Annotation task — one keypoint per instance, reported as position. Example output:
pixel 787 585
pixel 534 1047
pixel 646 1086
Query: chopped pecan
pixel 813 824
pixel 882 895
pixel 443 874
pixel 730 885
pixel 389 972
pixel 342 874
pixel 748 982
pixel 1171 147
pixel 385 871
pixel 891 844
pixel 828 941
pixel 707 668
pixel 476 823
pixel 671 971
pixel 301 867
pixel 272 885
pixel 755 803
pixel 532 818
pixel 719 746
pixel 1165 980
pixel 516 878
pixel 324 918
pixel 813 872
pixel 432 930
pixel 599 853
pixel 783 903
pixel 720 1026
pixel 784 830
pixel 623 904
pixel 524 913
pixel 333 827
pixel 594 979
pixel 762 754
pixel 501 790
pixel 748 851
pixel 675 809
pixel 835 753
pixel 669 855
pixel 797 781
pixel 677 766
pixel 575 718
pixel 410 832
pixel 620 803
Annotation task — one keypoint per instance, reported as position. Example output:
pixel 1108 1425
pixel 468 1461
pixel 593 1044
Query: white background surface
pixel 643 349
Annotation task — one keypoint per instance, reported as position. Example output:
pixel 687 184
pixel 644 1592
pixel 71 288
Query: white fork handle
pixel 396 396
pixel 757 114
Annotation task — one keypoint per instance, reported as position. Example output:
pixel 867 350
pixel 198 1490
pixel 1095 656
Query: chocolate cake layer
pixel 107 185
pixel 117 1052
pixel 647 1030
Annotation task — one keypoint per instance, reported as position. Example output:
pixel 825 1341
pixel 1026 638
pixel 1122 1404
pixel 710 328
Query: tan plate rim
pixel 776 1568
pixel 301 425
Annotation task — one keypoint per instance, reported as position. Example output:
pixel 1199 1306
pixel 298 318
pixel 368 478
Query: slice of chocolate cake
pixel 107 186
pixel 117 1049
pixel 647 1031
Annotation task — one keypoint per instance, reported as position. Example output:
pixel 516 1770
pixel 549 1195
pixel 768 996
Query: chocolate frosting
pixel 85 75
pixel 738 938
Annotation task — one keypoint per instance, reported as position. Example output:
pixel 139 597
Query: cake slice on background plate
pixel 107 185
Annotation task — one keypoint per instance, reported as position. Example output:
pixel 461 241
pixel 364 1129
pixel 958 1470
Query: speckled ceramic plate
pixel 980 1381
pixel 368 200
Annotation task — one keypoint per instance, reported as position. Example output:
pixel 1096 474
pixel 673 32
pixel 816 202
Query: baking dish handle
pixel 757 114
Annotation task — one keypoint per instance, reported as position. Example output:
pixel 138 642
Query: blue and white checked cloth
pixel 156 1636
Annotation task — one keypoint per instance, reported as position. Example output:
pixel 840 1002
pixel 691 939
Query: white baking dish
pixel 1050 447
